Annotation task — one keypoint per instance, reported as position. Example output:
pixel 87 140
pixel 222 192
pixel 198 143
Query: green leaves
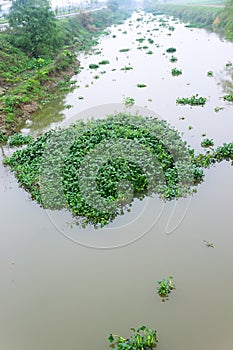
pixel 96 169
pixel 176 72
pixel 34 27
pixel 207 143
pixel 142 339
pixel 19 140
pixel 192 101
pixel 165 287
pixel 171 50
pixel 228 98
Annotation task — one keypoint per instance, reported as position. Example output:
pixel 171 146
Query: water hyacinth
pixel 96 169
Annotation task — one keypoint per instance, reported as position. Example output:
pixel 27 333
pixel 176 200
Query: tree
pixel 112 5
pixel 226 19
pixel 34 27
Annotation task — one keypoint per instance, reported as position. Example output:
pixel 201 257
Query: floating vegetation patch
pixel 171 28
pixel 142 338
pixel 165 287
pixel 192 101
pixel 149 52
pixel 93 66
pixel 124 50
pixel 151 41
pixel 140 40
pixel 207 143
pixel 218 109
pixel 228 98
pixel 176 72
pixel 171 50
pixel 19 140
pixel 96 77
pixel 208 244
pixel 68 106
pixel 141 85
pixel 210 73
pixel 96 169
pixel 104 62
pixel 213 156
pixel 129 101
pixel 145 47
pixel 126 68
pixel 173 59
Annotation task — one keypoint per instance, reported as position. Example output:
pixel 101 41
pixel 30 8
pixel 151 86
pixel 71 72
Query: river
pixel 68 287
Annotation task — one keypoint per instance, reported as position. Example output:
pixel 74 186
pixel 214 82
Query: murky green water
pixel 57 290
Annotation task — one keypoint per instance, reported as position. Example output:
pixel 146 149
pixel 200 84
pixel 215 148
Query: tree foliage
pixel 112 5
pixel 227 18
pixel 34 28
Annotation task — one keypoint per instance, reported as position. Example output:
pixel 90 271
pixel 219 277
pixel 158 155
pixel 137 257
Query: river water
pixel 67 287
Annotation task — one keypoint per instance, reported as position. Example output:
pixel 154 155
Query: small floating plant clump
pixel 142 339
pixel 129 101
pixel 165 287
pixel 173 59
pixel 93 66
pixel 207 143
pixel 213 156
pixel 218 109
pixel 141 85
pixel 171 50
pixel 176 72
pixel 124 50
pixel 19 140
pixel 210 73
pixel 192 101
pixel 228 98
pixel 126 68
pixel 104 62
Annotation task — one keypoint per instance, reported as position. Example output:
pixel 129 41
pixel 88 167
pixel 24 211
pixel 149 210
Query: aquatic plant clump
pixel 104 62
pixel 176 72
pixel 165 287
pixel 207 143
pixel 171 50
pixel 142 339
pixel 173 59
pixel 129 101
pixel 192 101
pixel 96 169
pixel 228 98
pixel 141 85
pixel 93 66
pixel 124 50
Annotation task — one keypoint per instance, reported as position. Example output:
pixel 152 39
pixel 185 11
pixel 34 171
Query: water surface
pixel 57 293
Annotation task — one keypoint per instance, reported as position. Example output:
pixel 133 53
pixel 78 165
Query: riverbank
pixel 210 17
pixel 28 83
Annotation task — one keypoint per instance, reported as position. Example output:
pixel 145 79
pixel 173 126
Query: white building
pixel 67 3
pixel 4 7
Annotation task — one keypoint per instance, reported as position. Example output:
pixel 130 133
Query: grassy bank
pixel 28 83
pixel 197 16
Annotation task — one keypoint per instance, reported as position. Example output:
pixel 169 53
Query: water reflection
pixel 51 115
pixel 226 79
